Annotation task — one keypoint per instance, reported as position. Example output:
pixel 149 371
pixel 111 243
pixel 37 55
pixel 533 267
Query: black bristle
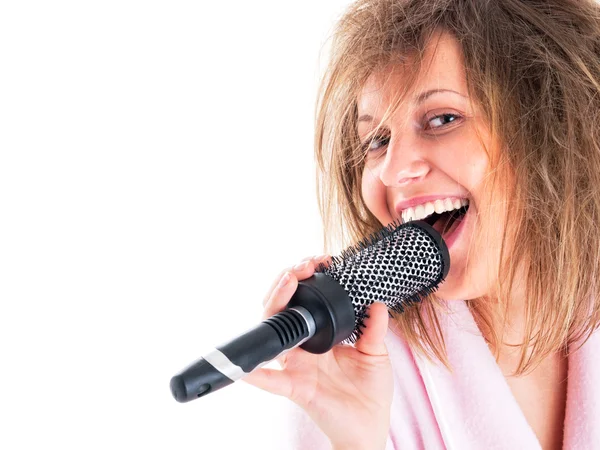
pixel 399 265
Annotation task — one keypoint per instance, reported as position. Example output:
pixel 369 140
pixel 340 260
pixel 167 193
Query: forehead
pixel 442 67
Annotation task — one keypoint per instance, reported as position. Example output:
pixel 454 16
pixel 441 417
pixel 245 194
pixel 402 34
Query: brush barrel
pixel 319 316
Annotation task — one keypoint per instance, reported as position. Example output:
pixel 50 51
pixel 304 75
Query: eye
pixel 442 121
pixel 376 142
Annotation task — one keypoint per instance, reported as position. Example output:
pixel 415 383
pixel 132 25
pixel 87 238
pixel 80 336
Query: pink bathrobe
pixel 473 407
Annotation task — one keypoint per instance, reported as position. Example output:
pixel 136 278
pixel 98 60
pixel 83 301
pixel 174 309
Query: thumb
pixel 371 341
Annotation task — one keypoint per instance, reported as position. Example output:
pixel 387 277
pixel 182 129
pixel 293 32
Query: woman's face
pixel 431 148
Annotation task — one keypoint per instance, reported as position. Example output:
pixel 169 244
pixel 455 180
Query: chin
pixel 451 293
pixel 455 286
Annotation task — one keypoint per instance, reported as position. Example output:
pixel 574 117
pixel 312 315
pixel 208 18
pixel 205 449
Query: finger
pixel 304 269
pixel 271 380
pixel 275 285
pixel 281 295
pixel 315 259
pixel 371 341
pixel 300 271
pixel 325 260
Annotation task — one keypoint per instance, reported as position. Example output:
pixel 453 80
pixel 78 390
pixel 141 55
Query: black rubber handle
pixel 198 379
pixel 319 310
pixel 240 356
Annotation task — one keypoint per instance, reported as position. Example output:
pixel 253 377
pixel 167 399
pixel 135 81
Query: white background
pixel 156 174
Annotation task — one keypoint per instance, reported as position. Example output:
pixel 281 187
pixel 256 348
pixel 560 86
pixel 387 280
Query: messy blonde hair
pixel 534 68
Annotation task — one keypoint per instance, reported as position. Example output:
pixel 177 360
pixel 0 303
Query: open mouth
pixel 446 222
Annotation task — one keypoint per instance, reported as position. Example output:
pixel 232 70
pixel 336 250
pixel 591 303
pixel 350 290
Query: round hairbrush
pixel 398 266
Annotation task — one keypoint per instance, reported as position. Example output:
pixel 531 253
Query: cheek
pixel 473 169
pixel 470 160
pixel 374 194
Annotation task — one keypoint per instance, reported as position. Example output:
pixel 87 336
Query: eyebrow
pixel 420 99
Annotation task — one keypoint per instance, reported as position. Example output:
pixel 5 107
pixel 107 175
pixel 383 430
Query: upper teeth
pixel 420 212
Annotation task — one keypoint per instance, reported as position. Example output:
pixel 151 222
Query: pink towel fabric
pixel 472 407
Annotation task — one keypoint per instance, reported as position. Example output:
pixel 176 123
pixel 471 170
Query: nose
pixel 404 163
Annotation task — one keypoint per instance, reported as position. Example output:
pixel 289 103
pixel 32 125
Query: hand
pixel 346 391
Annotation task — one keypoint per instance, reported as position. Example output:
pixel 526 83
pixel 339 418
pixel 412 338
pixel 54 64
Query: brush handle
pixel 319 315
pixel 231 361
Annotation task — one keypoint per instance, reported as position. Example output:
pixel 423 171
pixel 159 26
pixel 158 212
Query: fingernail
pixel 284 280
pixel 301 266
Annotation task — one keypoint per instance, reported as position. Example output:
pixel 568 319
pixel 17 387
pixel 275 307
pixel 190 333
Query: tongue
pixel 442 224
pixel 446 224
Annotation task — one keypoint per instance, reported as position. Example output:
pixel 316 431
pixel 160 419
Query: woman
pixel 430 105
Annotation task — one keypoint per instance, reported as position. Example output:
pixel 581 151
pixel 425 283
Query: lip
pixel 401 206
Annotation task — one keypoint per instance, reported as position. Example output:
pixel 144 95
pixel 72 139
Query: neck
pixel 509 323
